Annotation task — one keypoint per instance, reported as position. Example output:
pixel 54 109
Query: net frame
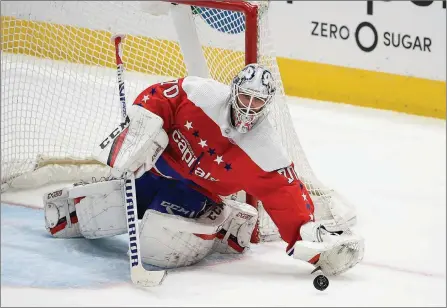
pixel 256 49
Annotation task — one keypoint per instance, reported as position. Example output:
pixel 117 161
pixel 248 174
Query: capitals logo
pixel 189 157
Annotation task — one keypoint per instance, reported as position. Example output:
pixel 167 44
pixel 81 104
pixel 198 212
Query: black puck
pixel 321 282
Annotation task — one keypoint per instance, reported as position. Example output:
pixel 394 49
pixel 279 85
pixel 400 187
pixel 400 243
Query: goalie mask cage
pixel 58 82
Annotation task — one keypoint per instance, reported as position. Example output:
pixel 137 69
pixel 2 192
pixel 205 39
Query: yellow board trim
pixel 89 47
pixel 364 88
pixel 300 78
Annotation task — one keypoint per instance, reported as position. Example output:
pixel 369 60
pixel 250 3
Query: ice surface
pixel 392 166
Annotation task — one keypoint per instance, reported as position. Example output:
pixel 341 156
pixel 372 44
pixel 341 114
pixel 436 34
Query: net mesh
pixel 59 91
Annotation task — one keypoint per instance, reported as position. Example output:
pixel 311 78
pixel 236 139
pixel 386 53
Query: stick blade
pixel 145 278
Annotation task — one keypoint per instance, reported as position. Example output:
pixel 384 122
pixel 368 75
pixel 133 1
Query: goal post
pixel 59 91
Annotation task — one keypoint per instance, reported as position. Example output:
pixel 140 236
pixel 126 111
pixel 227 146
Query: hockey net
pixel 58 82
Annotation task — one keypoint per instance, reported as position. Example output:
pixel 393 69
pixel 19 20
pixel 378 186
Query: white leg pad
pixel 90 210
pixel 170 241
pixel 102 212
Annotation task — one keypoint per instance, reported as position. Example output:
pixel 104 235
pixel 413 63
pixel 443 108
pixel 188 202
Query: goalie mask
pixel 252 92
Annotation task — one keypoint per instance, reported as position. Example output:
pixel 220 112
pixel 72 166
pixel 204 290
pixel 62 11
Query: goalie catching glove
pixel 135 145
pixel 332 252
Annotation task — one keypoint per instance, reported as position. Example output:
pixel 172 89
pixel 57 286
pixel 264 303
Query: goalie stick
pixel 138 274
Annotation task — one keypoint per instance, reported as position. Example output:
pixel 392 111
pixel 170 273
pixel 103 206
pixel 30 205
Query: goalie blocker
pixel 134 145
